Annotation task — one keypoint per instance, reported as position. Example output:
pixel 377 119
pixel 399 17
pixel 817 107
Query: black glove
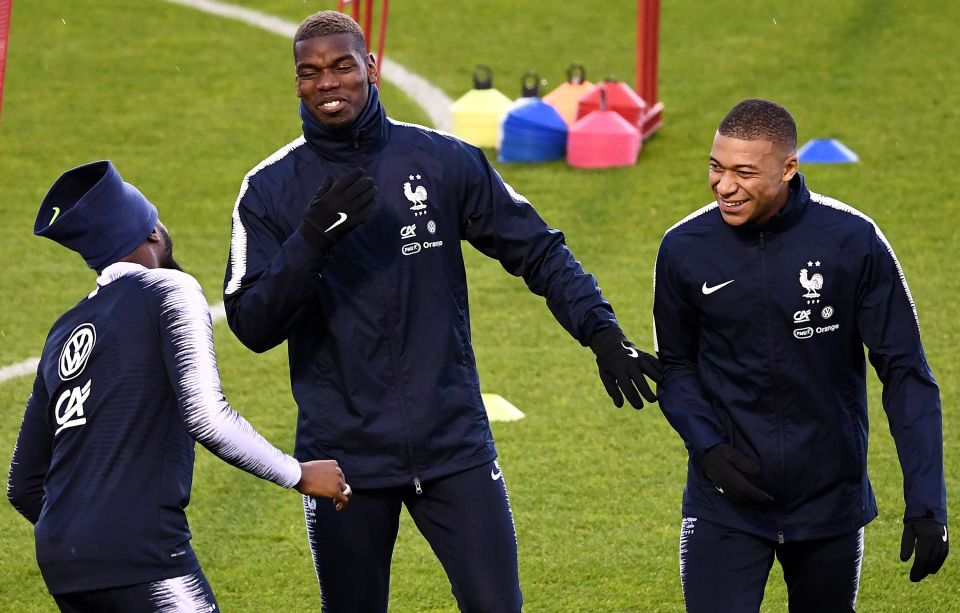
pixel 929 537
pixel 337 208
pixel 622 367
pixel 729 469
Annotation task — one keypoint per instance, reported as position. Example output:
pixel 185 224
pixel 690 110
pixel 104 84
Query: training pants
pixel 722 569
pixel 466 519
pixel 186 594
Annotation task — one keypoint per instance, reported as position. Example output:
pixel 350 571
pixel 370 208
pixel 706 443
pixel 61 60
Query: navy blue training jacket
pixel 378 332
pixel 103 464
pixel 761 332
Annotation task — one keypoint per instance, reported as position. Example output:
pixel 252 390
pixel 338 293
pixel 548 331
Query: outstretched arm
pixel 502 224
pixel 186 336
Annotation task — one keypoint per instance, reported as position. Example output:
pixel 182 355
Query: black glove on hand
pixel 622 367
pixel 337 208
pixel 728 469
pixel 930 539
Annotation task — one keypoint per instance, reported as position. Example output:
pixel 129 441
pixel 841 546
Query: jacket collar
pixel 365 137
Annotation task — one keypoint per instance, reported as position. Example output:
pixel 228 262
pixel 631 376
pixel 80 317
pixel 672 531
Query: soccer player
pixel 763 303
pixel 346 244
pixel 127 381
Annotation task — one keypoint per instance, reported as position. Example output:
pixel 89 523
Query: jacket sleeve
pixel 890 329
pixel 503 225
pixel 186 339
pixel 682 397
pixel 270 277
pixel 31 456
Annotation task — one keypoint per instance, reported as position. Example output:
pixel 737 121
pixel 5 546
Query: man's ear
pixel 154 236
pixel 790 167
pixel 373 71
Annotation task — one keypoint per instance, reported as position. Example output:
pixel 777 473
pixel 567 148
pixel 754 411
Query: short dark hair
pixel 756 118
pixel 325 23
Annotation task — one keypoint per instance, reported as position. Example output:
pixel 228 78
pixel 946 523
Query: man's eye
pixel 745 174
pixel 345 67
pixel 307 76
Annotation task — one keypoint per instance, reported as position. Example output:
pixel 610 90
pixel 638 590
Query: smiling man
pixel 347 244
pixel 763 303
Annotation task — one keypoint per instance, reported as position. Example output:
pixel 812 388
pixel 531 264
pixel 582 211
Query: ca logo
pixel 76 351
pixel 71 415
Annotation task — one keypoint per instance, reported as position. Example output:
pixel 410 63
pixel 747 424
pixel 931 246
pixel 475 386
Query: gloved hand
pixel 622 367
pixel 929 538
pixel 728 469
pixel 338 207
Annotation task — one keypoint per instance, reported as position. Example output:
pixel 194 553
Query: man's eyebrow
pixel 342 58
pixel 714 160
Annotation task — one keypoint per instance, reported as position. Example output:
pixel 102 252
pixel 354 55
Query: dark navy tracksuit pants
pixel 465 517
pixel 722 569
pixel 185 594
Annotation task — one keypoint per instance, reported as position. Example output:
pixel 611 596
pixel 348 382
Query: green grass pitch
pixel 185 103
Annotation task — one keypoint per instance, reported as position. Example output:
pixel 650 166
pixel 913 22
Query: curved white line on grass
pixel 431 99
pixel 29 366
pixel 19 369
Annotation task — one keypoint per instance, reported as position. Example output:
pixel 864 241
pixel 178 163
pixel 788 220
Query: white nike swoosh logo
pixel 631 351
pixel 707 290
pixel 944 534
pixel 343 218
pixel 495 475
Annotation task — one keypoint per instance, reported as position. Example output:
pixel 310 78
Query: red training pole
pixel 6 6
pixel 367 20
pixel 382 39
pixel 648 43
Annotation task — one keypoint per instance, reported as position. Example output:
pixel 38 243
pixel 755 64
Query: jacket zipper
pixel 397 377
pixel 773 373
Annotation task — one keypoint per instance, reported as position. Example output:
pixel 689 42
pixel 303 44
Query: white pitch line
pixel 431 99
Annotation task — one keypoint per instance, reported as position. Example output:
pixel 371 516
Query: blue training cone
pixel 826 151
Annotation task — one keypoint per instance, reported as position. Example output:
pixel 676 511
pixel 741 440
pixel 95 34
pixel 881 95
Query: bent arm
pixel 270 277
pixel 186 335
pixel 683 399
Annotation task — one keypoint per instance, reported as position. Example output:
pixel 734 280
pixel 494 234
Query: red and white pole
pixel 364 17
pixel 648 44
pixel 6 6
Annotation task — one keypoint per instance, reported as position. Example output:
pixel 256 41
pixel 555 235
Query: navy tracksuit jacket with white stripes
pixel 761 333
pixel 104 461
pixel 381 361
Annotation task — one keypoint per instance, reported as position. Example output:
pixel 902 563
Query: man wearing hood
pixel 377 322
pixel 127 380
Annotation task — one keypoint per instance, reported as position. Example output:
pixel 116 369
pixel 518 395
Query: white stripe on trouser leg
pixel 686 531
pixel 506 496
pixel 183 594
pixel 310 516
pixel 856 578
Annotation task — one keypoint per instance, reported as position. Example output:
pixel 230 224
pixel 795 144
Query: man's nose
pixel 328 80
pixel 726 185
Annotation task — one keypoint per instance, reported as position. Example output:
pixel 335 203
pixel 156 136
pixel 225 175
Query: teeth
pixel 331 104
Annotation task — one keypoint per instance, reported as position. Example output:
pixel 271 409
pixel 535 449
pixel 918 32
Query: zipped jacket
pixel 103 464
pixel 378 330
pixel 761 332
